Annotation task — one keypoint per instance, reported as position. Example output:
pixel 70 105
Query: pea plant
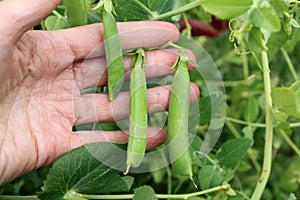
pixel 255 46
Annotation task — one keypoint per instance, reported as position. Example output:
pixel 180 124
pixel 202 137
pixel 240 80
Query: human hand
pixel 43 72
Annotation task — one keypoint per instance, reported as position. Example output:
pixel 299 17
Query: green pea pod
pixel 178 140
pixel 138 114
pixel 76 11
pixel 114 58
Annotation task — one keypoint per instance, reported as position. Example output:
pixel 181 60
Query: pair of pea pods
pixel 178 141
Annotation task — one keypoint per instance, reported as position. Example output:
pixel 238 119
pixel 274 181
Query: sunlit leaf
pixel 227 9
pixel 265 17
pixel 287 100
pixel 55 23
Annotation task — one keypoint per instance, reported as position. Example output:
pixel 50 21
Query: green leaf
pixel 284 126
pixel 275 42
pixel 177 4
pixel 129 10
pixel 232 151
pixel 265 17
pixel 255 40
pixel 279 6
pixel 251 110
pixel 205 109
pixel 287 100
pixel 292 196
pixel 80 170
pixel 279 115
pixel 248 132
pixel 94 17
pixel 294 23
pixel 55 23
pixel 76 11
pixel 210 176
pixel 128 180
pixel 289 179
pixel 295 87
pixel 204 104
pixel 144 193
pixel 227 9
pixel 195 149
pixel 292 43
pixel 160 6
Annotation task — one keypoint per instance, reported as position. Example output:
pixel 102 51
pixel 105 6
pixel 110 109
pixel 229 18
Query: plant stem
pixel 145 8
pixel 169 176
pixel 57 14
pixel 232 129
pixel 267 162
pixel 238 121
pixel 8 197
pixel 188 30
pixel 258 125
pixel 159 196
pixel 290 64
pixel 245 66
pixel 179 184
pixel 182 9
pixel 243 195
pixel 212 161
pixel 290 142
pixel 294 125
pixel 169 173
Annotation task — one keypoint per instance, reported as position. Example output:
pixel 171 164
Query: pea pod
pixel 76 11
pixel 138 113
pixel 113 50
pixel 178 140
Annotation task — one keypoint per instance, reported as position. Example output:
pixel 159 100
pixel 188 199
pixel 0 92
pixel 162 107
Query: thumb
pixel 19 16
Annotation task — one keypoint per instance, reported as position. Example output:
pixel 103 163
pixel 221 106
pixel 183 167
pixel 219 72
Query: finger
pixel 98 108
pixel 87 41
pixel 156 136
pixel 92 72
pixel 19 16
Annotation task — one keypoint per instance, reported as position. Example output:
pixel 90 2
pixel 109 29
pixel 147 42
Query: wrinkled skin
pixel 42 74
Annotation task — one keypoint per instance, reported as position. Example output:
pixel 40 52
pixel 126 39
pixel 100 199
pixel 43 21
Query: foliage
pixel 80 171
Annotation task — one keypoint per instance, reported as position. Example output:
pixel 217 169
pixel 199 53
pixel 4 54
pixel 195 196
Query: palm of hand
pixel 37 113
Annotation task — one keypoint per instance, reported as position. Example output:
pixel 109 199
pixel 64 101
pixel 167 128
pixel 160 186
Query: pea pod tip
pixel 127 170
pixel 195 185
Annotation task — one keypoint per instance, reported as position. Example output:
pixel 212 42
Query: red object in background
pixel 216 28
